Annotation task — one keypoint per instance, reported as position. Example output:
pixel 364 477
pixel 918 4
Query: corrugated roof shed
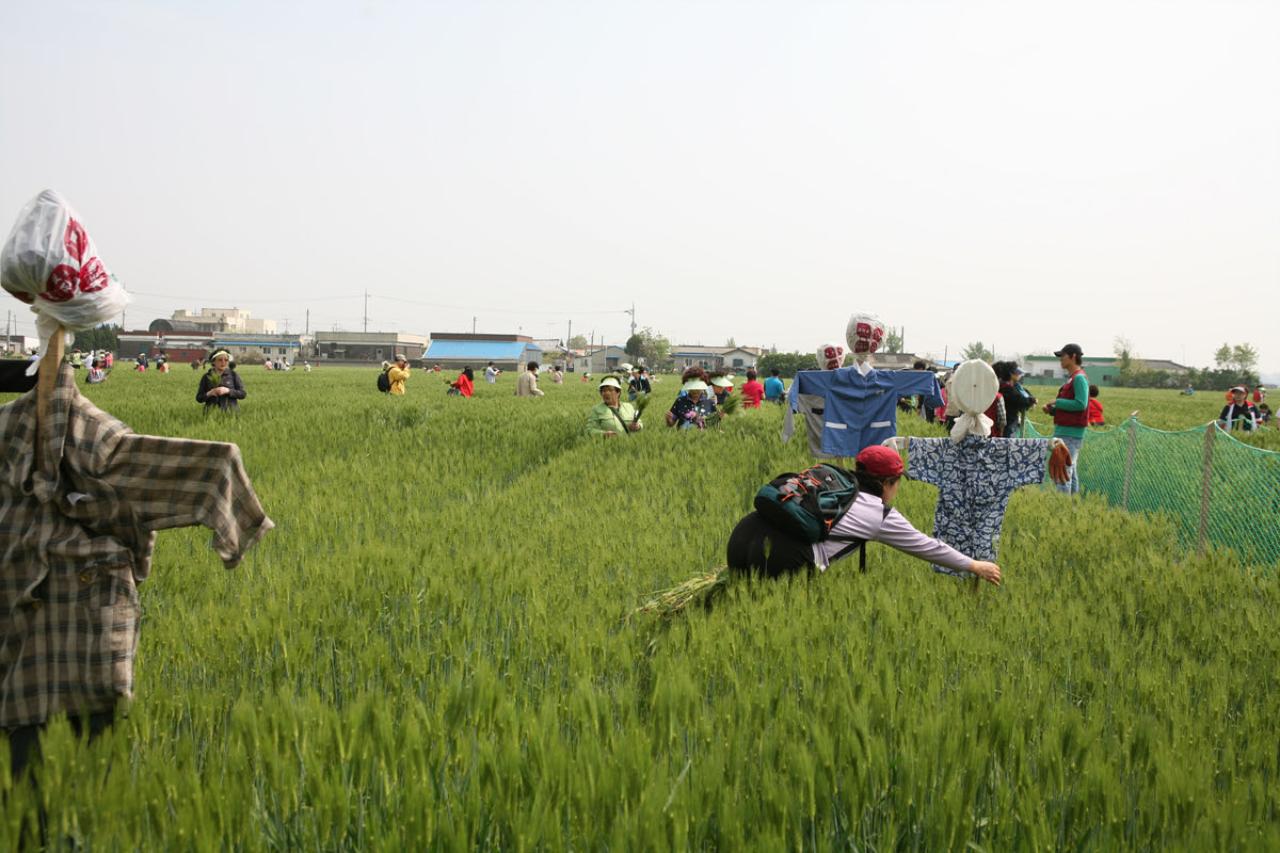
pixel 480 350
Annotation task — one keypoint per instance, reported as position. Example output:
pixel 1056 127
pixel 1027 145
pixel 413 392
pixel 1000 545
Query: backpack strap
pixel 859 543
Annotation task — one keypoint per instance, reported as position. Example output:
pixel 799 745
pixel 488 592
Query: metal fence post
pixel 1128 461
pixel 1206 487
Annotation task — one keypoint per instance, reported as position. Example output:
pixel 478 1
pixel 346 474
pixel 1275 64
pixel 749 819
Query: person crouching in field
pixel 464 385
pixel 220 386
pixel 611 416
pixel 758 547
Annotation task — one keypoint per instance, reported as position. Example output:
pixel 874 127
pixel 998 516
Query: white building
pixel 715 358
pixel 222 320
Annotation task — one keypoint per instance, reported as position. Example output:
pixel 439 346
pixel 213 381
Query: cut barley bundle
pixel 731 404
pixel 641 403
pixel 668 603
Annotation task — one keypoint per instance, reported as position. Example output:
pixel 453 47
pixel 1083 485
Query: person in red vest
pixel 1070 411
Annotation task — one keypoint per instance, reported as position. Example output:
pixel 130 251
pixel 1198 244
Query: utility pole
pixel 308 331
pixel 632 312
pixel 366 311
pixel 568 336
pixel 473 325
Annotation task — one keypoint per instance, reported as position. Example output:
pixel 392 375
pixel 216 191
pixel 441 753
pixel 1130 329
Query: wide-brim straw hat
pixel 694 385
pixel 722 382
pixel 610 382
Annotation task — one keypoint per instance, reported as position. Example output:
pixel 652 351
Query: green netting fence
pixel 1219 491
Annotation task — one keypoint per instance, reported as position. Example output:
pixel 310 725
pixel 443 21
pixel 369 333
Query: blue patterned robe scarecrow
pixel 975 478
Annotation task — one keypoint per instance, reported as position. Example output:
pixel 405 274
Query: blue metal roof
pixel 478 350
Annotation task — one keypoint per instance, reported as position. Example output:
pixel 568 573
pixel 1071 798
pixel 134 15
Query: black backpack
pixel 384 382
pixel 806 505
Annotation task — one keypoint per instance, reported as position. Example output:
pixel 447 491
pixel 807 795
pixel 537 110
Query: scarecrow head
pixel 831 356
pixel 864 334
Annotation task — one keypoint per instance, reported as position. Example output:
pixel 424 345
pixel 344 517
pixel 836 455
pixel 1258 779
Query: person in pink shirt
pixel 752 390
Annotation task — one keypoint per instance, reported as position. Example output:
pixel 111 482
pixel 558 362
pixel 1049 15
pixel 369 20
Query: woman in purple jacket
pixel 756 546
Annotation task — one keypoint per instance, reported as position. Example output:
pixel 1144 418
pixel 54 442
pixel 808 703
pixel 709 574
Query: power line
pixel 560 312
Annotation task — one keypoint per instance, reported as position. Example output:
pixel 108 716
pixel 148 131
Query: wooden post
pixel 1128 461
pixel 1206 487
pixel 46 381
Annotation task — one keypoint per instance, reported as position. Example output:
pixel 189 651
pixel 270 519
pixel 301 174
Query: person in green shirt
pixel 1070 411
pixel 611 416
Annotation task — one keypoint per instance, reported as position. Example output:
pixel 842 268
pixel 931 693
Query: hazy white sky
pixel 1021 173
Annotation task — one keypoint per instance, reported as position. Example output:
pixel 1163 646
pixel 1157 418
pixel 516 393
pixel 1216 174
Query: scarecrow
pixel 846 409
pixel 975 473
pixel 84 496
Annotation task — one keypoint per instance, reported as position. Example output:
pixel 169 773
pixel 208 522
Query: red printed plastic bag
pixel 51 263
pixel 830 356
pixel 864 335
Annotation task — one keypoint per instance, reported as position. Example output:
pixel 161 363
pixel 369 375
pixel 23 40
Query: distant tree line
pixel 105 337
pixel 1233 365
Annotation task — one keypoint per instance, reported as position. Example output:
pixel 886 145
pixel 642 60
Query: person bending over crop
pixel 758 547
pixel 612 416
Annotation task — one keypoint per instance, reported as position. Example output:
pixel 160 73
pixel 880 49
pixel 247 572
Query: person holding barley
pixel 611 415
pixel 220 387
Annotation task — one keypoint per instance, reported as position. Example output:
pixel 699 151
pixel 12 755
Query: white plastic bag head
pixel 51 263
pixel 864 334
pixel 831 356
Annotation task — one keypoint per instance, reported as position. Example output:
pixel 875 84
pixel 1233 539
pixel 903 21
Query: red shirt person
pixel 1095 407
pixel 752 391
pixel 465 382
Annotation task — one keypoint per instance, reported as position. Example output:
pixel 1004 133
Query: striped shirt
pixel 75 545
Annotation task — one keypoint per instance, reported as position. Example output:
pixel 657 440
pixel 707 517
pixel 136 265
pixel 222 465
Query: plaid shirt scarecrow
pixel 76 535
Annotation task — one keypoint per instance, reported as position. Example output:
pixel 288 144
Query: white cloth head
pixel 972 387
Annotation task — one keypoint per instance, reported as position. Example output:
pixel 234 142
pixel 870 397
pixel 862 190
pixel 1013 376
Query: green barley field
pixel 430 652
